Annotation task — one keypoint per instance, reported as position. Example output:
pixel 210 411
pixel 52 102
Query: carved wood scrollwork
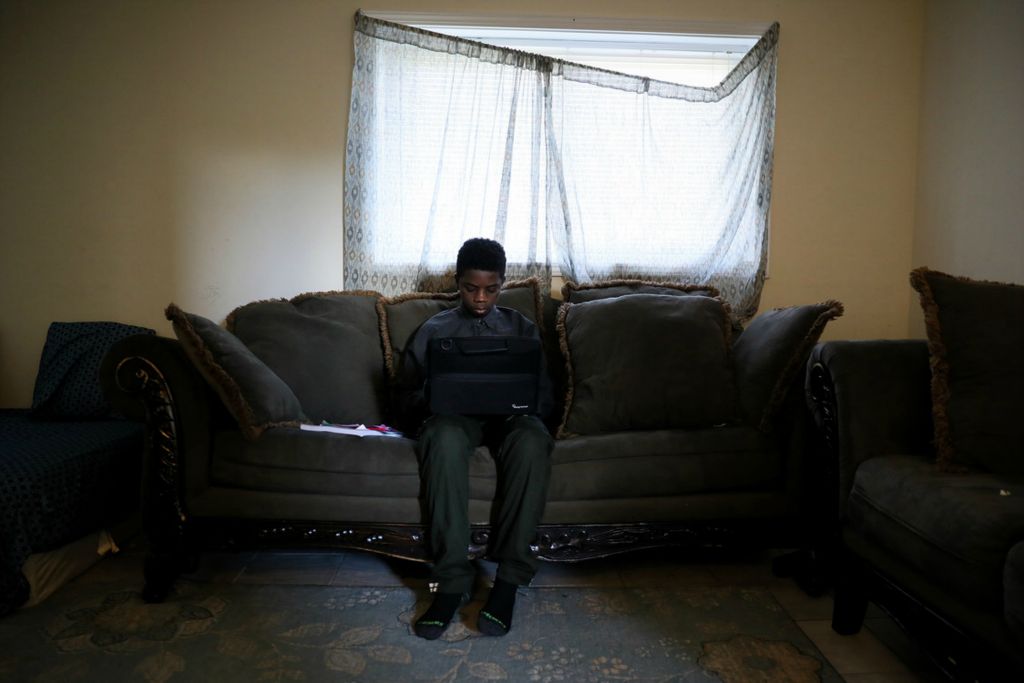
pixel 823 397
pixel 556 543
pixel 583 542
pixel 396 540
pixel 164 514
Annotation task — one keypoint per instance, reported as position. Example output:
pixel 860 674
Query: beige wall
pixel 187 151
pixel 970 198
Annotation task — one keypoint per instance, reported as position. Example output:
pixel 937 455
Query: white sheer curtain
pixel 607 175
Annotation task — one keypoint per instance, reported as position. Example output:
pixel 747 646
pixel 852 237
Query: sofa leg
pixel 851 603
pixel 160 572
pixel 162 569
pixel 806 567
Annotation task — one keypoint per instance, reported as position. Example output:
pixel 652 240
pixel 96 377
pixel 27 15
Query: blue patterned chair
pixel 68 466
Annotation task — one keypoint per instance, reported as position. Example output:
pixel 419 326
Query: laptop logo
pixel 515 407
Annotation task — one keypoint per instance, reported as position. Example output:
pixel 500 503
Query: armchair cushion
pixel 771 351
pixel 976 341
pixel 963 523
pixel 325 346
pixel 252 393
pixel 67 383
pixel 646 361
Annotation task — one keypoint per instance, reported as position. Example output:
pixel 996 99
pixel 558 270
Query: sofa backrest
pixel 337 353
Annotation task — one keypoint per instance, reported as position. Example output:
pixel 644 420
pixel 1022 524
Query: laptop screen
pixel 483 375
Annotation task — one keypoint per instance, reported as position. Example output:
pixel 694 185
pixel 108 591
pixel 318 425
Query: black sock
pixel 437 617
pixel 496 616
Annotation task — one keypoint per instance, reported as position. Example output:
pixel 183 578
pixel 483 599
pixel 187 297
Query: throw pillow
pixel 326 346
pixel 772 350
pixel 402 315
pixel 68 380
pixel 976 341
pixel 646 361
pixel 252 393
pixel 574 293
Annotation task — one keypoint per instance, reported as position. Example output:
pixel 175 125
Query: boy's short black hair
pixel 480 253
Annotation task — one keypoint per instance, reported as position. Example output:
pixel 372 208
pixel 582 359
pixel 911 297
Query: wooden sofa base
pixel 175 550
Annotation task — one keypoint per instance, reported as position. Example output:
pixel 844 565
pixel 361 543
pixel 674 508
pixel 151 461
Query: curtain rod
pixel 626 25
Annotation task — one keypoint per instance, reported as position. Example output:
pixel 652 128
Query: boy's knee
pixel 443 434
pixel 531 441
pixel 539 442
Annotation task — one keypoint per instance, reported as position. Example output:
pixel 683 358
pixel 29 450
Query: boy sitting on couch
pixel 520 444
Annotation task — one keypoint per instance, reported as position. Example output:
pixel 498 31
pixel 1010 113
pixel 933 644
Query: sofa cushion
pixel 646 361
pixel 300 461
pixel 402 315
pixel 252 393
pixel 772 350
pixel 605 467
pixel 963 523
pixel 663 463
pixel 975 337
pixel 326 347
pixel 68 380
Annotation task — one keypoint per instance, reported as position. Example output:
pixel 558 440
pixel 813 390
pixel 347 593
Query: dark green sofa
pixel 227 464
pixel 939 545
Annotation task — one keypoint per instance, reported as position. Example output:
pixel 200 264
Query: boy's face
pixel 479 290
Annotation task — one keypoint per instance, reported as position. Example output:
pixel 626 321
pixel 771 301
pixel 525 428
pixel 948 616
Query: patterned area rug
pixel 225 632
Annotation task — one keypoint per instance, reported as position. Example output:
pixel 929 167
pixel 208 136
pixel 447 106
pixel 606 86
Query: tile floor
pixel 878 654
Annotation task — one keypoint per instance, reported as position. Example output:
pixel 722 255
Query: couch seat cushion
pixel 296 461
pixel 957 528
pixel 663 463
pixel 604 467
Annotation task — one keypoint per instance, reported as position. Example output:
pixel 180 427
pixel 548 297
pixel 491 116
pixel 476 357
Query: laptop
pixel 483 375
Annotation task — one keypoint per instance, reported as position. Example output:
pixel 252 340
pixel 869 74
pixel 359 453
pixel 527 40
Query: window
pixel 546 143
pixel 691 59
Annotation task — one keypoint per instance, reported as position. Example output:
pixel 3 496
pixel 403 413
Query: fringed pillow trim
pixel 229 322
pixel 390 362
pixel 299 298
pixel 223 382
pixel 570 381
pixel 834 310
pixel 939 363
pixel 385 339
pixel 569 287
pixel 538 299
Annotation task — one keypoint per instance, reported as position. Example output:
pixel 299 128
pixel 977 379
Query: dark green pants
pixel 521 447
